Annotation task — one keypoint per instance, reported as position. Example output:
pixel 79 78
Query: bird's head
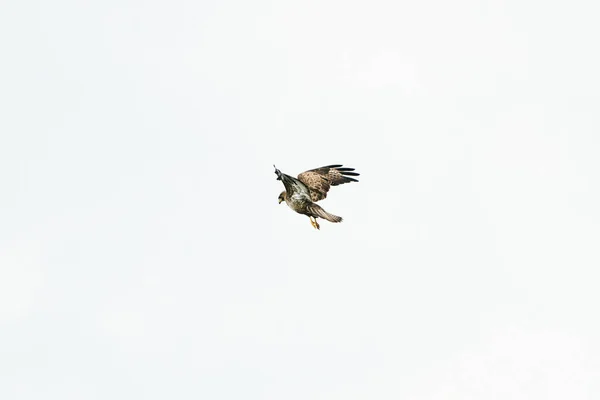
pixel 282 197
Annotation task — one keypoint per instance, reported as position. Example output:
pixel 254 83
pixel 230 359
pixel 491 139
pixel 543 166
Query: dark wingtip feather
pixel 347 171
pixel 346 180
pixel 277 172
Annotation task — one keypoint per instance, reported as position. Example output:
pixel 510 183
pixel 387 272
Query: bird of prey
pixel 311 186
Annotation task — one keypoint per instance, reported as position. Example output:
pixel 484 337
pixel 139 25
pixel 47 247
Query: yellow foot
pixel 314 223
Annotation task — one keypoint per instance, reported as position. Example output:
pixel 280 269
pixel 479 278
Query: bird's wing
pixel 292 185
pixel 319 180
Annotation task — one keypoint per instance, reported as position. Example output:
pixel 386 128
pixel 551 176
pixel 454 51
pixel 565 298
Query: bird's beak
pixel 280 200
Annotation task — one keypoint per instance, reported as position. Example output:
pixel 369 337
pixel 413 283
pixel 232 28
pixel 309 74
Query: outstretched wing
pixel 319 180
pixel 292 185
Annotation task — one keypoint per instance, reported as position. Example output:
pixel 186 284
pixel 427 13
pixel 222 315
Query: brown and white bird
pixel 311 186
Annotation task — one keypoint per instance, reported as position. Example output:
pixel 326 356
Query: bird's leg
pixel 314 223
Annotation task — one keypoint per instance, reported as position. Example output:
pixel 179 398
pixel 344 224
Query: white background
pixel 143 254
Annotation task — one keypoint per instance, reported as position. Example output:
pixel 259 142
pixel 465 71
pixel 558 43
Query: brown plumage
pixel 319 180
pixel 312 186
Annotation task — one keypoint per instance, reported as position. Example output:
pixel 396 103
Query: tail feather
pixel 317 211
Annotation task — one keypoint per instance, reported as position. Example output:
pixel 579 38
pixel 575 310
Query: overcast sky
pixel 143 254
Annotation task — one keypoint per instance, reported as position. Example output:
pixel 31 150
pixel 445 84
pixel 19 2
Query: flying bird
pixel 311 186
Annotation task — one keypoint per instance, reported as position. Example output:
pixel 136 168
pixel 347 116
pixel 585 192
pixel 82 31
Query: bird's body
pixel 298 201
pixel 311 186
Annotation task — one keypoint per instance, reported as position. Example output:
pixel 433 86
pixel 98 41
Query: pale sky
pixel 143 254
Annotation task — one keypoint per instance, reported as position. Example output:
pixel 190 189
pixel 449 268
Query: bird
pixel 311 186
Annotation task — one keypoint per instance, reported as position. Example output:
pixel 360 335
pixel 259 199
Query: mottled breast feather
pixel 319 180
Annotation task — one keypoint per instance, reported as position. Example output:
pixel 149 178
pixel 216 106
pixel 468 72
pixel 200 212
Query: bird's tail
pixel 317 211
